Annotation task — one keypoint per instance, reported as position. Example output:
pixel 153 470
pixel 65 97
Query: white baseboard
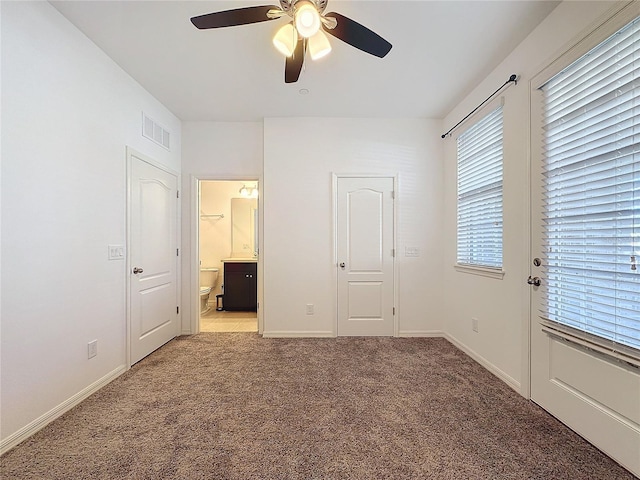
pixel 42 421
pixel 460 346
pixel 329 334
pixel 509 380
pixel 293 334
pixel 421 333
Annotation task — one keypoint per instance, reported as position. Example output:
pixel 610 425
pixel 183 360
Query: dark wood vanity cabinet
pixel 240 286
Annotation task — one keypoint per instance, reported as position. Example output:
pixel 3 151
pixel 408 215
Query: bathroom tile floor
pixel 214 321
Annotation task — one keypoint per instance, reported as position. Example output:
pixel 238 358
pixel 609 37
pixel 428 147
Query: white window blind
pixel 480 193
pixel 592 194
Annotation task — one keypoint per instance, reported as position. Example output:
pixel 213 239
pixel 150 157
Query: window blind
pixel 480 193
pixel 591 194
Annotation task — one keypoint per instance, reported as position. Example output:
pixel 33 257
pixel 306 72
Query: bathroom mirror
pixel 244 214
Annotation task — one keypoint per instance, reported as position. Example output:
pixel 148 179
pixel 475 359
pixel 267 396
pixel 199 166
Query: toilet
pixel 208 282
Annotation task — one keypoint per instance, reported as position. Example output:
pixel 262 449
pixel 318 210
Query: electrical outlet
pixel 474 324
pixel 310 309
pixel 93 348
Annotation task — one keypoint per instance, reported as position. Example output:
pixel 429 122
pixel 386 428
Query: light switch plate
pixel 411 252
pixel 116 252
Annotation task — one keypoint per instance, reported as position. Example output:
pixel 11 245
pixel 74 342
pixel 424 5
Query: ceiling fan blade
pixel 293 64
pixel 236 16
pixel 359 36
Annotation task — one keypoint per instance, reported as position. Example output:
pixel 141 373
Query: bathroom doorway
pixel 228 242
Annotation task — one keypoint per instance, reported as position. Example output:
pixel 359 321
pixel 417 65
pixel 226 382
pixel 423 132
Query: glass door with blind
pixel 585 270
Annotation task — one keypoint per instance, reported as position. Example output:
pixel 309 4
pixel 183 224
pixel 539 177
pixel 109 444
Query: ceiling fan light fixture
pixel 286 39
pixel 319 45
pixel 307 18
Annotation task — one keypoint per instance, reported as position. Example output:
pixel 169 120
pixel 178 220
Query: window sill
pixel 482 271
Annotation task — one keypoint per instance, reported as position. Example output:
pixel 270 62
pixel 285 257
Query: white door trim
pixel 194 265
pixel 334 233
pixel 131 152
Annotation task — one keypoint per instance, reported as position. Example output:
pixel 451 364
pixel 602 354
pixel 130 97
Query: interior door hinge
pixel 394 310
pixel 393 252
pixel 177 252
pixel 177 310
pixel 177 193
pixel 393 195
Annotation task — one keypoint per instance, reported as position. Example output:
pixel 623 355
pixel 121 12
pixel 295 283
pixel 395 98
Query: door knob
pixel 137 270
pixel 535 281
pixel 342 265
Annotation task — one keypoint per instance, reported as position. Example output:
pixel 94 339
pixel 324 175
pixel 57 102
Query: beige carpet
pixel 235 406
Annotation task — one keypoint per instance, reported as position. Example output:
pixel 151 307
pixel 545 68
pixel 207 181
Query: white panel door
pixel 153 257
pixel 594 395
pixel 365 256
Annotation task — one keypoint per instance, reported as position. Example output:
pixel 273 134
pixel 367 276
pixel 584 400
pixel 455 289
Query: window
pixel 480 194
pixel 591 131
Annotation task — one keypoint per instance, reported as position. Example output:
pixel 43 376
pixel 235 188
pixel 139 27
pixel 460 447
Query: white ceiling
pixel 441 49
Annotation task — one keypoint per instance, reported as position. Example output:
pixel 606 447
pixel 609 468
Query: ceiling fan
pixel 303 33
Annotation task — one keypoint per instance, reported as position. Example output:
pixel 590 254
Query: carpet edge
pixel 42 421
pixel 505 377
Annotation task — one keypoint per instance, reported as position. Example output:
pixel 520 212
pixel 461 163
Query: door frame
pixel 194 263
pixel 130 153
pixel 334 198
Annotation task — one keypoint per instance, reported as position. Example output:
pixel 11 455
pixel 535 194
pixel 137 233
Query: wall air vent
pixel 155 132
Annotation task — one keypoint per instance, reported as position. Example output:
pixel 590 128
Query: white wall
pixel 298 216
pixel 410 148
pixel 211 150
pixel 68 112
pixel 502 306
